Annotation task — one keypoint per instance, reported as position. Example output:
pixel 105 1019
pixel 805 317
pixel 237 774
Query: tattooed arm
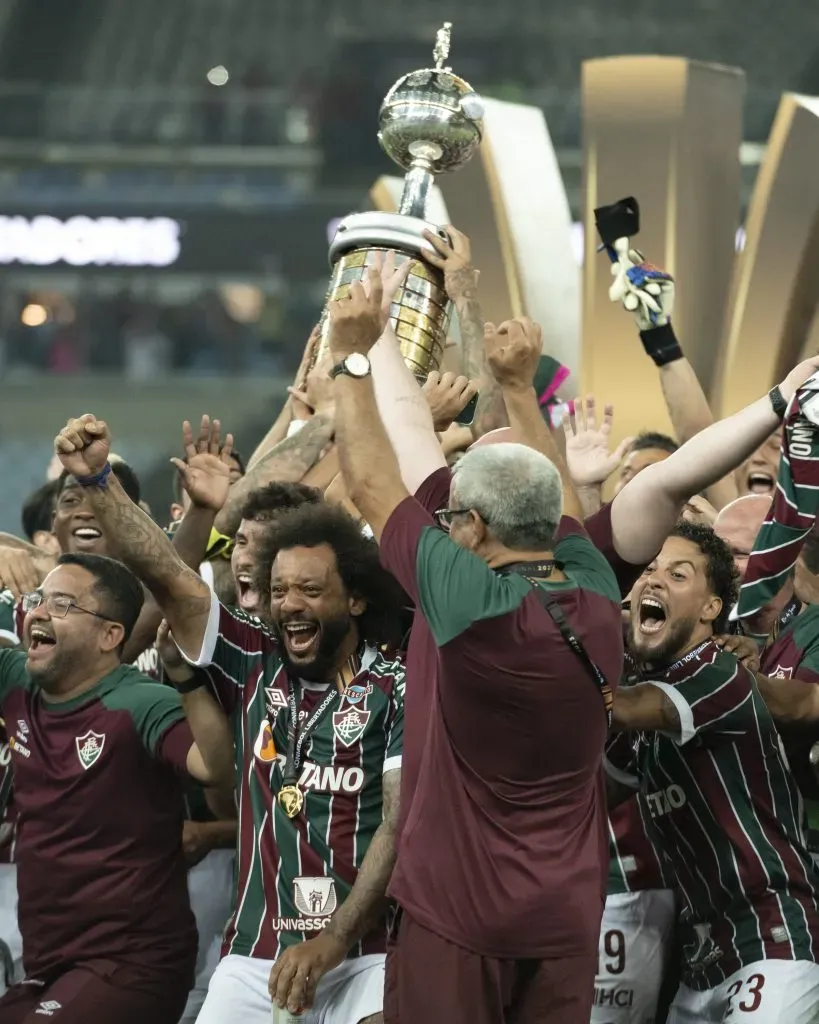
pixel 644 707
pixel 461 281
pixel 367 902
pixel 184 598
pixel 288 462
pixel 296 974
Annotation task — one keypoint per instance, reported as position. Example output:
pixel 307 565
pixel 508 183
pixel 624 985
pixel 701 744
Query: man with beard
pixel 317 713
pixel 717 796
pixel 107 930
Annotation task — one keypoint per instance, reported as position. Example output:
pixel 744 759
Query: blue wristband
pixel 97 480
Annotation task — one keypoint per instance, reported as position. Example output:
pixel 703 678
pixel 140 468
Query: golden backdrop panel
pixel 666 130
pixel 775 286
pixel 513 205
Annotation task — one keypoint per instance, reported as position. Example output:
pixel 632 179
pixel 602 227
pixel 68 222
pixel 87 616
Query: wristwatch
pixel 355 365
pixel 813 756
pixel 778 403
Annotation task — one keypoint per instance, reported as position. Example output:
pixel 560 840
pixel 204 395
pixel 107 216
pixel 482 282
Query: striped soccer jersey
pixel 724 811
pixel 293 873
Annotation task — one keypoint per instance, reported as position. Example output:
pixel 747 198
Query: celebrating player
pixel 722 805
pixel 108 934
pixel 317 712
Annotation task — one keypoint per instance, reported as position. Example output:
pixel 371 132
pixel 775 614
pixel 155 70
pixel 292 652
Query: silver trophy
pixel 429 123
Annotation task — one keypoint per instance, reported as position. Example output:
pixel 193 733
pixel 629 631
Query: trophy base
pixel 421 311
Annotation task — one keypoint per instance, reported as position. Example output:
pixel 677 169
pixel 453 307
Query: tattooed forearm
pixel 287 462
pixel 367 901
pixel 141 544
pixel 470 321
pixel 490 412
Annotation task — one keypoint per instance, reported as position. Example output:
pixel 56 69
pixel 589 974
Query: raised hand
pixel 19 573
pixel 447 396
pixel 645 290
pixel 83 445
pixel 513 351
pixel 205 471
pixel 307 358
pixel 801 373
pixel 588 453
pixel 356 321
pixel 318 395
pixel 392 278
pixel 454 257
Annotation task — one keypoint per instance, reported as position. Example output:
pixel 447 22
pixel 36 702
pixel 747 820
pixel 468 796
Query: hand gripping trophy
pixel 429 123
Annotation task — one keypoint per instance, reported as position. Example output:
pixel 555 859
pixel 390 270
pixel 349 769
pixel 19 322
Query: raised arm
pixel 288 462
pixel 513 351
pixel 461 283
pixel 646 509
pixel 184 598
pixel 368 463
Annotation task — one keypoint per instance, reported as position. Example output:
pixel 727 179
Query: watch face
pixel 813 757
pixel 357 365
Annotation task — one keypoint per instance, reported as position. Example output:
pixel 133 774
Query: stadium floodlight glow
pixel 34 315
pixel 218 75
pixel 90 241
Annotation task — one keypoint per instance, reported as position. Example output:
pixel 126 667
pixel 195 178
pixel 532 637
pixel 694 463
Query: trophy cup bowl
pixel 429 123
pixel 431 110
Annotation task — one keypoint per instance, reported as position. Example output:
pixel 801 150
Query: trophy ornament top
pixel 431 118
pixel 443 41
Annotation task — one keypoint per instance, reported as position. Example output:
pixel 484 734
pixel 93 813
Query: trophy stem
pixel 417 184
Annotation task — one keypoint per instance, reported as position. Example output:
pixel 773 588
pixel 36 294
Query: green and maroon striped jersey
pixel 634 864
pixel 102 878
pixel 794 654
pixel 725 811
pixel 11 620
pixel 293 873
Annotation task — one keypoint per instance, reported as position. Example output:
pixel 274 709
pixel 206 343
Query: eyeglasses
pixel 57 605
pixel 443 516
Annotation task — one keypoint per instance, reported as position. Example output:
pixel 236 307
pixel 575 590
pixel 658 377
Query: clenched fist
pixel 513 351
pixel 83 445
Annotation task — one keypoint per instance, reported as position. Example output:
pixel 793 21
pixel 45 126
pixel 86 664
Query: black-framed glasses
pixel 57 605
pixel 444 516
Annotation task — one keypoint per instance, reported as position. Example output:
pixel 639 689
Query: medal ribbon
pixel 296 737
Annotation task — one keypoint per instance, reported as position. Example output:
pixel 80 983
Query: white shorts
pixel 347 994
pixel 11 941
pixel 635 941
pixel 767 992
pixel 211 890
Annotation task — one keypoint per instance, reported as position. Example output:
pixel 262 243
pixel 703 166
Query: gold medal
pixel 291 800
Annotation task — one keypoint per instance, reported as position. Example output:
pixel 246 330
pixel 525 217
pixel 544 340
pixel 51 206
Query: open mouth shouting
pixel 86 538
pixel 41 643
pixel 301 638
pixel 760 483
pixel 652 616
pixel 246 596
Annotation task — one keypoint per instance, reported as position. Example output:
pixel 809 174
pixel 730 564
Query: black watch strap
pixel 338 369
pixel 778 403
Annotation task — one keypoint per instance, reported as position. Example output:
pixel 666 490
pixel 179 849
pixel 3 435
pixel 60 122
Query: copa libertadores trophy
pixel 429 123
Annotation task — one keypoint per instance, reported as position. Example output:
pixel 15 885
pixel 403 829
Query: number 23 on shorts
pixel 751 991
